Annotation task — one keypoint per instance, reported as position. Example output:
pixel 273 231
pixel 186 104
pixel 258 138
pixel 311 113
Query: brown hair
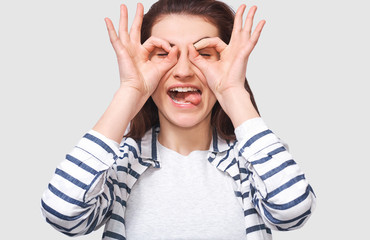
pixel 219 14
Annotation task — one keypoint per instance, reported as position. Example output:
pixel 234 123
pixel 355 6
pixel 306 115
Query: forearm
pixel 125 104
pixel 280 190
pixel 237 105
pixel 78 198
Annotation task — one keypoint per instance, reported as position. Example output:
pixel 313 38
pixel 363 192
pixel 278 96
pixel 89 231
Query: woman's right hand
pixel 138 74
pixel 137 71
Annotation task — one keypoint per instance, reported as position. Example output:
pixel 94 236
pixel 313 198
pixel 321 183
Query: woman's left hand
pixel 227 75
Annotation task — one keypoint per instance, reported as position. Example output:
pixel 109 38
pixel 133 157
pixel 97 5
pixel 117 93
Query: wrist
pixel 237 104
pixel 135 90
pixel 131 99
pixel 126 103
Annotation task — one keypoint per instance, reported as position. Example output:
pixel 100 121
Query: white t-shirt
pixel 187 198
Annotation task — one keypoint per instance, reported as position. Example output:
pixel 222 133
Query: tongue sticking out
pixel 187 97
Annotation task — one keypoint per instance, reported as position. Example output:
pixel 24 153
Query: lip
pixel 182 105
pixel 184 86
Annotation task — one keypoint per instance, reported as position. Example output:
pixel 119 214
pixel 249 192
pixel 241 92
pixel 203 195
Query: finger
pixel 257 32
pixel 193 53
pixel 249 20
pixel 170 60
pixel 172 55
pixel 154 42
pixel 112 33
pixel 114 39
pixel 196 59
pixel 123 21
pixel 214 42
pixel 238 20
pixel 135 32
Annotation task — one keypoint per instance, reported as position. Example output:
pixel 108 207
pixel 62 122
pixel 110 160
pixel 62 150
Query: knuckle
pixel 152 38
pixel 115 41
pixel 218 39
pixel 119 54
pixel 153 41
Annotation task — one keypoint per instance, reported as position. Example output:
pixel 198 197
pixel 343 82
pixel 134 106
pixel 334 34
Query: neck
pixel 185 140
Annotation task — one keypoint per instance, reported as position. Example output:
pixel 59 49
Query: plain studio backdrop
pixel 309 73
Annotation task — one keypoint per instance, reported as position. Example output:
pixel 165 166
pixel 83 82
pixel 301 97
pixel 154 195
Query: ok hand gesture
pixel 138 75
pixel 136 70
pixel 226 76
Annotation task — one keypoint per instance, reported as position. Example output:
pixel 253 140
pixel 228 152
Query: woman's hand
pixel 135 68
pixel 139 76
pixel 226 76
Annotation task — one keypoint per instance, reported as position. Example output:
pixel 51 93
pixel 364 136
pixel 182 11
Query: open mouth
pixel 185 95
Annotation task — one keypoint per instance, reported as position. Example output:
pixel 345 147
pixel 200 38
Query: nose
pixel 183 68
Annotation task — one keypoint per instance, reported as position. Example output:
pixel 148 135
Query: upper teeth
pixel 183 89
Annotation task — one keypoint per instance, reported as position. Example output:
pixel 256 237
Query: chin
pixel 188 120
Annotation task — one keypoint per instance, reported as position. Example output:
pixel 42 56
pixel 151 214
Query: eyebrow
pixel 171 44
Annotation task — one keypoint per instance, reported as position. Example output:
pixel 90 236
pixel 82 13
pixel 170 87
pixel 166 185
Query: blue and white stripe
pixel 91 186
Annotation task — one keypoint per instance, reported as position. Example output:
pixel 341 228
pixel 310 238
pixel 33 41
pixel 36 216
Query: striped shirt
pixel 90 188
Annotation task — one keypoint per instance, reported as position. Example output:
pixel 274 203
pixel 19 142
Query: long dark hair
pixel 219 14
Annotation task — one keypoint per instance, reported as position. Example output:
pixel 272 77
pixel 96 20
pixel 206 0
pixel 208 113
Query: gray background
pixel 309 73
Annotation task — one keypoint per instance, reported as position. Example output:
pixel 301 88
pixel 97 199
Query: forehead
pixel 183 29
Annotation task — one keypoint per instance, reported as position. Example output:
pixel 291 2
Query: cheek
pixel 213 99
pixel 209 98
pixel 157 97
pixel 160 93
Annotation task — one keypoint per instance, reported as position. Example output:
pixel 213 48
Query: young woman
pixel 197 161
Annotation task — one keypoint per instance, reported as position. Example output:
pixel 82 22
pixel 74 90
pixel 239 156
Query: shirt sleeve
pixel 78 197
pixel 279 189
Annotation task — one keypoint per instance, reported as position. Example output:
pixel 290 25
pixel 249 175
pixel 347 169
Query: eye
pixel 205 54
pixel 162 54
pixel 208 53
pixel 159 53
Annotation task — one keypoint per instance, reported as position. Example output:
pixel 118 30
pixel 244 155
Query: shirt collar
pixel 148 144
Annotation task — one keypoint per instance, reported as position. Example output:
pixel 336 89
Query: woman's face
pixel 182 96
